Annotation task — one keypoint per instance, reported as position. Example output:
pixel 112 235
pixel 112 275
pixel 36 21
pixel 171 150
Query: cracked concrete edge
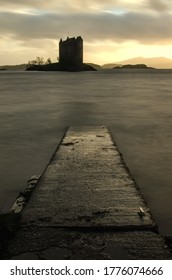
pixel 80 244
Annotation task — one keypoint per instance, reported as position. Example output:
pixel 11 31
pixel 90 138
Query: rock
pixel 18 205
pixel 24 195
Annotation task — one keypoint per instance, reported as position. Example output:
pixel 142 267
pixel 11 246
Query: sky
pixel 112 30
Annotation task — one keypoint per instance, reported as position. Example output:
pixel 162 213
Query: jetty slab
pixel 87 184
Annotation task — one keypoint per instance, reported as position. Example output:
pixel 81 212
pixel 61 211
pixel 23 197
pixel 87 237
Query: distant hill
pixel 20 67
pixel 110 65
pixel 133 66
pixel 156 62
pixel 96 66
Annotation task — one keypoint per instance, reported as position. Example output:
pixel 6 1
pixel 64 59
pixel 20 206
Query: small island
pixel 133 66
pixel 70 58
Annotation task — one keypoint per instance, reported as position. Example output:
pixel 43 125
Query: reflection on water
pixel 37 108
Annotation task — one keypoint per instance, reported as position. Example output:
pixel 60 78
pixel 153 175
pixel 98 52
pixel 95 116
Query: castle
pixel 71 51
pixel 70 58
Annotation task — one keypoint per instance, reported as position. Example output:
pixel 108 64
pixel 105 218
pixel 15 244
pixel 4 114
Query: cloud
pixel 158 5
pixel 90 4
pixel 141 27
pixel 63 4
pixel 69 6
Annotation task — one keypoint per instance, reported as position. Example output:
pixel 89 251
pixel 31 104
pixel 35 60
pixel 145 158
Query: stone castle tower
pixel 71 51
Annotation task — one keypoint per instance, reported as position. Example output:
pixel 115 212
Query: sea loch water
pixel 37 107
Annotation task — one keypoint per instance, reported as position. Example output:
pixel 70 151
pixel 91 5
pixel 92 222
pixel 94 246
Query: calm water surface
pixel 36 108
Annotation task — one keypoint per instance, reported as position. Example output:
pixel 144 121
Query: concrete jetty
pixel 86 205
